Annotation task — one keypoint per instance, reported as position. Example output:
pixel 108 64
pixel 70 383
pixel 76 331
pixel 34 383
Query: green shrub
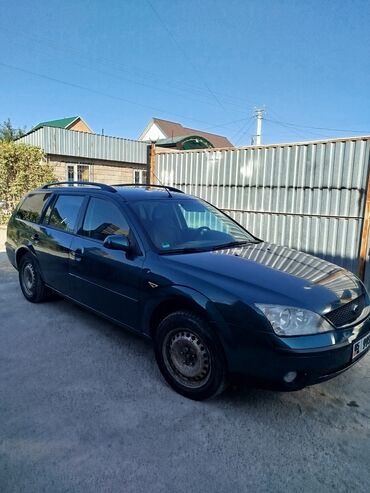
pixel 22 168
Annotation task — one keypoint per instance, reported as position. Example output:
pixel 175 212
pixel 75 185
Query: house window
pixel 139 176
pixel 70 173
pixel 78 172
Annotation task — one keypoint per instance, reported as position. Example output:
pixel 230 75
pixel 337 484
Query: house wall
pixel 80 126
pixel 153 133
pixel 100 171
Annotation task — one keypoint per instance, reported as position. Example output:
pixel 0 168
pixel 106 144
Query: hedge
pixel 22 168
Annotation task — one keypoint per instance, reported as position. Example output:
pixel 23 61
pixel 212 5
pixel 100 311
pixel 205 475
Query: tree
pixel 22 168
pixel 9 133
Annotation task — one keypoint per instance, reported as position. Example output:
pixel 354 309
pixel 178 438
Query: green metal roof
pixel 61 123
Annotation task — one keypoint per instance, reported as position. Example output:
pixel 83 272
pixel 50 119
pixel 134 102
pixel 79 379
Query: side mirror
pixel 117 242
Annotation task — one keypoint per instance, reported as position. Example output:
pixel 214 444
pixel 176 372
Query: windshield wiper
pixel 184 250
pixel 206 248
pixel 233 244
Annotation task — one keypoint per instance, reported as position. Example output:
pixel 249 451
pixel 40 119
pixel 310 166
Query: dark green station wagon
pixel 216 301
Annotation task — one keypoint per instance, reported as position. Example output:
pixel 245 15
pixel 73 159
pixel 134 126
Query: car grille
pixel 347 313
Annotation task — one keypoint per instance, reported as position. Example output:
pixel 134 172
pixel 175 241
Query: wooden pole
pixel 365 233
pixel 151 178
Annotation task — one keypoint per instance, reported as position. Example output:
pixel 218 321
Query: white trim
pixel 146 129
pixel 142 175
pixel 75 170
pixel 153 132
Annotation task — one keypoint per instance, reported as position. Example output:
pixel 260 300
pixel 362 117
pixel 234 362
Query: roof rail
pixel 171 189
pixel 102 186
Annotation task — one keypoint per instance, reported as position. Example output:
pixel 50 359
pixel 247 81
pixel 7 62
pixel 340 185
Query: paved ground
pixel 84 409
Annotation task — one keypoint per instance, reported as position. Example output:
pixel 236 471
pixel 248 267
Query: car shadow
pixel 3 256
pixel 240 393
pixel 99 323
pixel 337 403
pixel 337 395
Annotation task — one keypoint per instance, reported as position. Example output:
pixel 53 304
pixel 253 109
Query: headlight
pixel 290 321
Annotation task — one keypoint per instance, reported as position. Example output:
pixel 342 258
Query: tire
pixel 202 373
pixel 32 285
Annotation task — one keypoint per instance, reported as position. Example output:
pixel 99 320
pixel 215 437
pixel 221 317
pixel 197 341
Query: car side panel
pixel 11 243
pixel 53 252
pixel 109 281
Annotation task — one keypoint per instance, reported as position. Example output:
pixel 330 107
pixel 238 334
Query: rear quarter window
pixel 31 208
pixel 64 213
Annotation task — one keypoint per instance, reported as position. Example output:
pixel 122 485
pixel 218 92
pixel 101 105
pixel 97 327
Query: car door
pixel 54 238
pixel 106 280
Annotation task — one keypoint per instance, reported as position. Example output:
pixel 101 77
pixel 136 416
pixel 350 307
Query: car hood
pixel 270 273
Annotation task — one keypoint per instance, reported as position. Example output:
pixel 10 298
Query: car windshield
pixel 187 225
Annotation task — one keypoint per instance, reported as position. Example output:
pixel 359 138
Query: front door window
pixel 103 218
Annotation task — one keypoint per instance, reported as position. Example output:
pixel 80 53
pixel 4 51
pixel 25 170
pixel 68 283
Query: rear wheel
pixel 32 285
pixel 190 357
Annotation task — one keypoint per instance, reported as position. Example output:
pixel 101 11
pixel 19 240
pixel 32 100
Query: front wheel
pixel 190 357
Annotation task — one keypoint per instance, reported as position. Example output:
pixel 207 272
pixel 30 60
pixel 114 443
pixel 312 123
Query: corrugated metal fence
pixel 63 142
pixel 308 196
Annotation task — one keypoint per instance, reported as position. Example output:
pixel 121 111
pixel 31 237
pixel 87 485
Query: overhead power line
pixel 119 66
pixel 230 123
pixel 287 124
pixel 296 131
pixel 175 86
pixel 242 130
pixel 179 47
pixel 111 96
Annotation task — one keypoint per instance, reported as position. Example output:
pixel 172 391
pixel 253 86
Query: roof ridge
pixel 204 131
pixel 196 131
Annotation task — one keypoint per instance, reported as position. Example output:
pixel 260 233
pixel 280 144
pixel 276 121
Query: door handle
pixel 77 254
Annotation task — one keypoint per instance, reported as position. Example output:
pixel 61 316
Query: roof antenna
pixel 163 185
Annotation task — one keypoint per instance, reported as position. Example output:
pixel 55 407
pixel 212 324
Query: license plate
pixel 360 346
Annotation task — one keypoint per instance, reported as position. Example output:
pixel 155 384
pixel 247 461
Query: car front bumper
pixel 266 359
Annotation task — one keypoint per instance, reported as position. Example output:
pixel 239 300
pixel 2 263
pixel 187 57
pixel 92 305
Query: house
pixel 76 153
pixel 71 123
pixel 164 132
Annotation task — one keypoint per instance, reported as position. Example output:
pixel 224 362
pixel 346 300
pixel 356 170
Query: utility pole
pixel 259 117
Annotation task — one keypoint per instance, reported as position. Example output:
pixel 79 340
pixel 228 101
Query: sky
pixel 205 64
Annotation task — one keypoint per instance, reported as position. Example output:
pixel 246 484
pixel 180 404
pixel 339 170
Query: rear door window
pixel 103 218
pixel 31 207
pixel 64 213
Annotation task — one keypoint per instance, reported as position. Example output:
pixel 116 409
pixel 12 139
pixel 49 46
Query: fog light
pixel 290 376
